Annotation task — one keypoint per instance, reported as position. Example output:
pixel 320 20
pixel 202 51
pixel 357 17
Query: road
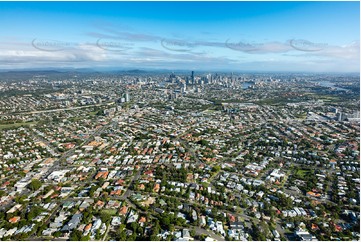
pixel 57 165
pixel 64 156
pixel 128 191
pixel 186 145
pixel 40 138
pixel 106 232
pixel 60 109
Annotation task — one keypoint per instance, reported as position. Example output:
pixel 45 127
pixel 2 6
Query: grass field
pixel 109 211
pixel 93 113
pixel 15 125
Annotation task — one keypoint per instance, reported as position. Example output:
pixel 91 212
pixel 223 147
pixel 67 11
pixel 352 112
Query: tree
pixel 216 169
pixel 56 234
pixel 257 233
pixel 75 235
pixel 35 211
pixel 92 190
pixel 98 235
pixel 140 231
pixel 87 215
pixel 203 237
pixel 41 229
pixel 105 216
pixel 85 238
pixel 35 184
pixel 121 234
pixel 156 230
pixel 203 142
pixel 154 237
pixel 134 226
pixel 180 221
pixel 165 221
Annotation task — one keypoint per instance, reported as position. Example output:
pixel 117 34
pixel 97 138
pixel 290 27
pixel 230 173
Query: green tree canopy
pixel 35 184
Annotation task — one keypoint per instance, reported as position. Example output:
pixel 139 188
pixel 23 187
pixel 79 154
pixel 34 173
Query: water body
pixel 330 84
pixel 246 85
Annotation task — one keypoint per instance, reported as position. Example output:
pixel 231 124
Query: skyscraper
pixel 184 87
pixel 127 98
pixel 192 77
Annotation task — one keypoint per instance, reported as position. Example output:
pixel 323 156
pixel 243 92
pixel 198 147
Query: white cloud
pixel 254 56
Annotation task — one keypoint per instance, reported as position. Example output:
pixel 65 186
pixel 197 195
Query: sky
pixel 236 36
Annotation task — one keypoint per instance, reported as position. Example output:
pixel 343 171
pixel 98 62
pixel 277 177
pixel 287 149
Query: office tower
pixel 340 116
pixel 192 77
pixel 127 97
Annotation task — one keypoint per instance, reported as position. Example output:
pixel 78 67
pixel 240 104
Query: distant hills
pixel 12 73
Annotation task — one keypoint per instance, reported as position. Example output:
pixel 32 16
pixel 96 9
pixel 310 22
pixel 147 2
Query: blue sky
pixel 239 36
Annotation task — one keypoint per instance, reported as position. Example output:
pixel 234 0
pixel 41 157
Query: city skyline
pixel 239 36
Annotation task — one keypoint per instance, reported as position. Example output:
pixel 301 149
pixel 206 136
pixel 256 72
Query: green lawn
pixel 93 113
pixel 15 125
pixel 109 211
pixel 302 173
